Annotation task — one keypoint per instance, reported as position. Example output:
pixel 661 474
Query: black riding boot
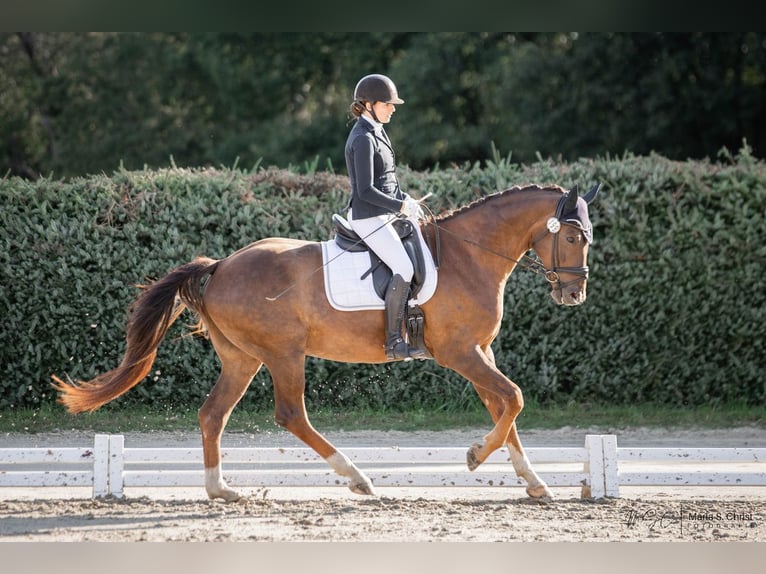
pixel 396 300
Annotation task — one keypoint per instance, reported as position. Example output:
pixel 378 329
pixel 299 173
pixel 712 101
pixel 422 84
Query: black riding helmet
pixel 376 88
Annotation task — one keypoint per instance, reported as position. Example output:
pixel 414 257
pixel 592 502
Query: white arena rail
pixel 681 466
pixel 394 466
pixel 599 467
pixel 57 466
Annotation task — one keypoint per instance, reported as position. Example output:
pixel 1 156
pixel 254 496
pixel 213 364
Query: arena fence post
pixel 116 464
pixel 611 468
pixel 594 467
pixel 100 465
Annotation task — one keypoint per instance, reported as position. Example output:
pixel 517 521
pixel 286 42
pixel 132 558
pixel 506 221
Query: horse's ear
pixel 591 195
pixel 570 203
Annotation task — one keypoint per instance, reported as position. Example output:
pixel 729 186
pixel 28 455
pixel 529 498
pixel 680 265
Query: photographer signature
pixel 688 520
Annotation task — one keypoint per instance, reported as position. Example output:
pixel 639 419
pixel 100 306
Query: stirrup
pixel 398 349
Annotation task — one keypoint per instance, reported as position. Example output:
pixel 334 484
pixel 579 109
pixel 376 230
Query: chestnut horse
pixel 481 244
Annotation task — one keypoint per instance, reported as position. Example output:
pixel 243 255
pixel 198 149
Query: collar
pixel 377 130
pixel 377 126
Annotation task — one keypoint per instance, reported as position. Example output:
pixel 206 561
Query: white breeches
pixel 381 237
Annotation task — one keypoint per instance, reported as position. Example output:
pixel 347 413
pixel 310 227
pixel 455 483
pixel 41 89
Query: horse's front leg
pixel 479 368
pixel 536 487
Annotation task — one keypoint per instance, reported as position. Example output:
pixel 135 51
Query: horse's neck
pixel 503 225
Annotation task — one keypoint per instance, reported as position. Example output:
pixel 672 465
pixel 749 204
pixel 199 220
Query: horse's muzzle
pixel 569 295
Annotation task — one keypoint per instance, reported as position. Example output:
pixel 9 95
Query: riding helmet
pixel 377 88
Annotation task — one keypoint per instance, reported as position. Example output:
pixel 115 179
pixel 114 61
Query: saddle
pixel 348 240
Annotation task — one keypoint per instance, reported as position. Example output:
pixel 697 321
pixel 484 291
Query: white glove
pixel 411 208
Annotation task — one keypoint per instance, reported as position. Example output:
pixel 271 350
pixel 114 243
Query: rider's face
pixel 383 111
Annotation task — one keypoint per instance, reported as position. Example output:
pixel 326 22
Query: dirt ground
pixel 410 514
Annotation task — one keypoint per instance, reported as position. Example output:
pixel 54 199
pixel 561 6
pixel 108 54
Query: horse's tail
pixel 153 312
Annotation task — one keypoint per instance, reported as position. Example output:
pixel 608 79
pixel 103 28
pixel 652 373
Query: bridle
pixel 531 263
pixel 552 275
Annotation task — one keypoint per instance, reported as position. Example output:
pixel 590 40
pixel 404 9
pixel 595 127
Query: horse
pixel 480 245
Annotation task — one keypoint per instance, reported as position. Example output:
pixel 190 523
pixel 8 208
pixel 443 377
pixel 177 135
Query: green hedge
pixel 676 311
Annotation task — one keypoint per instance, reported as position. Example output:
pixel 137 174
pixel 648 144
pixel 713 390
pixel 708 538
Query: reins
pixel 532 264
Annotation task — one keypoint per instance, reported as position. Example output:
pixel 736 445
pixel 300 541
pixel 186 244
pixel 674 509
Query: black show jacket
pixel 371 167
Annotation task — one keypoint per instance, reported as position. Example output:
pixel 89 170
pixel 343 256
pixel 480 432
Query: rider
pixel 376 198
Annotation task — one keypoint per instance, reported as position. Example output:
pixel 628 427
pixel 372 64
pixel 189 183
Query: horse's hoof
pixel 227 495
pixel 472 458
pixel 364 488
pixel 541 491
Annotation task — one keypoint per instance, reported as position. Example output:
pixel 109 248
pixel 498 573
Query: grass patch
pixel 119 418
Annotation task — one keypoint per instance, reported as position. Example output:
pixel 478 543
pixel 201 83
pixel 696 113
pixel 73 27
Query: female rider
pixel 376 198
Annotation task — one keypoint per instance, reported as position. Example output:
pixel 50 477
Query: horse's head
pixel 563 247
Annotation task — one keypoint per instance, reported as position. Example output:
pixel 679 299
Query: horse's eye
pixel 571 239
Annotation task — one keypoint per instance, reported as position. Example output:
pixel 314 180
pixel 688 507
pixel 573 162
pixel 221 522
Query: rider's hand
pixel 411 208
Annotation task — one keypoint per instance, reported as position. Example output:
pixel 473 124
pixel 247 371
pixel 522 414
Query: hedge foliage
pixel 676 311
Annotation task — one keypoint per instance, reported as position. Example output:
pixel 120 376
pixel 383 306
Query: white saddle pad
pixel 347 292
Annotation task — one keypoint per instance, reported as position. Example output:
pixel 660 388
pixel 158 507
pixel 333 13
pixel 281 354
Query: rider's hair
pixel 357 108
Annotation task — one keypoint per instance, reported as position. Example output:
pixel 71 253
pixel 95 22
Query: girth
pixel 348 240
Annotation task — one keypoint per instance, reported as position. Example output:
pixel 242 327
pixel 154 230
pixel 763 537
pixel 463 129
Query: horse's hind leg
pixel 237 370
pixel 288 374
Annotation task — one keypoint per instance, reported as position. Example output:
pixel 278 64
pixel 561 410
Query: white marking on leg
pixel 341 464
pixel 535 485
pixel 521 463
pixel 216 486
pixel 358 482
pixel 213 481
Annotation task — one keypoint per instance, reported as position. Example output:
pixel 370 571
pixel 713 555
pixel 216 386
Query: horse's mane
pixel 487 198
